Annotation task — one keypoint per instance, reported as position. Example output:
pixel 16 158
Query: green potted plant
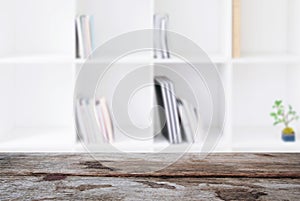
pixel 284 116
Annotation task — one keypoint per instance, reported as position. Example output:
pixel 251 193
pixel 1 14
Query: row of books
pixel 89 132
pixel 179 120
pixel 84 36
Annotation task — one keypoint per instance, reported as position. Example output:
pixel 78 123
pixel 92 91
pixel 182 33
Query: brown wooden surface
pixel 215 177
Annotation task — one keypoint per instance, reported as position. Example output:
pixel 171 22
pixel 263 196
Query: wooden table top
pixel 235 176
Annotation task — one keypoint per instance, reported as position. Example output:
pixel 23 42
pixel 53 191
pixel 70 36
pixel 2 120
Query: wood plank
pixel 113 188
pixel 236 28
pixel 121 165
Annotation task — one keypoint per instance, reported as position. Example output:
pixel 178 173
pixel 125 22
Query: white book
pixel 161 49
pixel 164 39
pixel 185 123
pixel 86 124
pixel 156 37
pixel 194 118
pixel 107 119
pixel 79 34
pixel 92 121
pixel 84 36
pixel 101 122
pixel 85 21
pixel 81 127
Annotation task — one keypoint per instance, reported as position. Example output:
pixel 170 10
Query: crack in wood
pixel 157 185
pixel 264 154
pixel 95 165
pixel 239 194
pixel 83 187
pixel 54 177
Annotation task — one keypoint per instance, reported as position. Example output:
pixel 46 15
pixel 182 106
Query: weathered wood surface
pixel 216 177
pixel 191 165
pixel 114 188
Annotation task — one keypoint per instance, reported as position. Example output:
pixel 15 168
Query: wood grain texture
pixel 190 165
pixel 114 188
pixel 215 177
pixel 236 28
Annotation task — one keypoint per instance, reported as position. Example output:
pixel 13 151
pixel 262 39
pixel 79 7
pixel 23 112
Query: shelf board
pixel 135 58
pixel 145 59
pixel 214 58
pixel 44 59
pixel 267 58
pixel 53 139
pixel 219 59
pixel 262 139
pixel 244 139
pixel 161 144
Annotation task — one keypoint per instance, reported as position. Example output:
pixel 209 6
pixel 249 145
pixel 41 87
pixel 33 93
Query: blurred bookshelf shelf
pixel 262 139
pixel 267 59
pixel 44 59
pixel 214 58
pixel 20 139
pixel 62 139
pixel 244 59
pixel 38 66
pixel 140 58
pixel 146 58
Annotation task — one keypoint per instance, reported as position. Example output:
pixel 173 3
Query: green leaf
pixel 275 123
pixel 278 102
pixel 273 114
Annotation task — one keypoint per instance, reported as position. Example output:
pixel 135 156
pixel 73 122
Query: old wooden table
pixel 216 177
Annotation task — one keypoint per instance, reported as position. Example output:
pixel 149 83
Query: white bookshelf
pixel 38 67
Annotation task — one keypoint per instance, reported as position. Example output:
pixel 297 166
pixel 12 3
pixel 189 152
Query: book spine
pixel 84 36
pixel 87 22
pixel 81 127
pixel 166 122
pixel 80 37
pixel 157 37
pixel 174 113
pixel 92 32
pixel 164 38
pixel 107 120
pixel 85 121
pixel 101 122
pixel 92 118
pixel 84 33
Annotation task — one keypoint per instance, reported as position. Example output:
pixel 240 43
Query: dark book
pixel 165 95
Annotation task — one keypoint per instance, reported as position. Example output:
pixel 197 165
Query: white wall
pixel 7 100
pixel 264 26
pixel 44 95
pixel 202 24
pixel 293 86
pixel 44 27
pixel 7 21
pixel 293 27
pixel 255 88
pixel 120 16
